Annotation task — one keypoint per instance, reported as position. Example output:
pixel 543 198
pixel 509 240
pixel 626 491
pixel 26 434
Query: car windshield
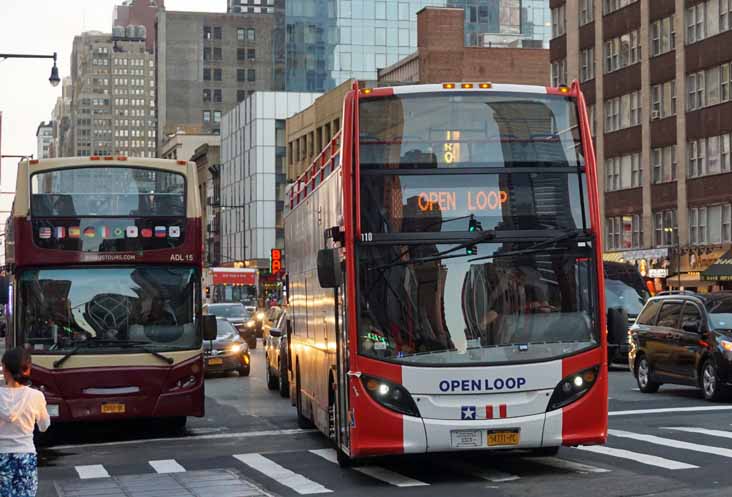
pixel 720 313
pixel 116 309
pixel 620 295
pixel 225 330
pixel 462 310
pixel 228 311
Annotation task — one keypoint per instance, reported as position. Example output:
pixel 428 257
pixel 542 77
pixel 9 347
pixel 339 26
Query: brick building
pixel 656 75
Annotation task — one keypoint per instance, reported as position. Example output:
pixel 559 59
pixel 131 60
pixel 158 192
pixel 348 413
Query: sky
pixel 44 27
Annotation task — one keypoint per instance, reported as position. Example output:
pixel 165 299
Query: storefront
pixel 695 262
pixel 720 273
pixel 652 264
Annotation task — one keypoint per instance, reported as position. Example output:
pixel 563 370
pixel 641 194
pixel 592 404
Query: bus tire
pixel 302 421
pixel 283 383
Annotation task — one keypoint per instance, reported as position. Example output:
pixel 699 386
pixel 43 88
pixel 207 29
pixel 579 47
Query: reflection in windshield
pixel 720 313
pixel 620 295
pixel 108 307
pixel 228 311
pixel 489 311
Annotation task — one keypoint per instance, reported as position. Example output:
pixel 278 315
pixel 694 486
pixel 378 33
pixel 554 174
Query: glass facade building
pixel 506 23
pixel 330 41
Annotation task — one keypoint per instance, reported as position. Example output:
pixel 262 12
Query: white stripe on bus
pixel 282 475
pixel 377 472
pixel 650 460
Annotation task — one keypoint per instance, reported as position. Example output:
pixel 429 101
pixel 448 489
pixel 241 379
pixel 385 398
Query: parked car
pixel 686 339
pixel 237 315
pixel 274 340
pixel 228 352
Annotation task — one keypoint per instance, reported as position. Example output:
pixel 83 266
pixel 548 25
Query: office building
pixel 44 140
pixel 253 175
pixel 207 63
pixel 506 23
pixel 113 94
pixel 61 118
pixel 656 75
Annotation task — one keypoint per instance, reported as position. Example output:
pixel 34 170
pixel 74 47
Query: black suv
pixel 684 338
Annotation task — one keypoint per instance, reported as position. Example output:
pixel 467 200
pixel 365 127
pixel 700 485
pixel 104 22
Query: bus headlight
pixel 573 387
pixel 390 395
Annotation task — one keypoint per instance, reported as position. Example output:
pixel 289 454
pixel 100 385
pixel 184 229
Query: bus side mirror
pixel 4 290
pixel 209 327
pixel 329 269
pixel 617 326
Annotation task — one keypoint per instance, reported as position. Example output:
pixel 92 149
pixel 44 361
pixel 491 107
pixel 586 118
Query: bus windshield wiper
pixel 445 254
pixel 94 342
pixel 543 246
pixel 142 346
pixel 86 343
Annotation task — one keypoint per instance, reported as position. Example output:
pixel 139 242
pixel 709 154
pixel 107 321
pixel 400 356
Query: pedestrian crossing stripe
pixel 282 475
pixel 669 442
pixel 377 472
pixel 650 460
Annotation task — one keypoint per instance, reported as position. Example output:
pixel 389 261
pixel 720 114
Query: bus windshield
pixel 107 309
pixel 473 309
pixel 107 192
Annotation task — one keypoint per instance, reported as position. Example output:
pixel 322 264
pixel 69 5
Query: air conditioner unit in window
pixel 655 115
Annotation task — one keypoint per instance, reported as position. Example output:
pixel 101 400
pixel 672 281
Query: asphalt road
pixel 249 444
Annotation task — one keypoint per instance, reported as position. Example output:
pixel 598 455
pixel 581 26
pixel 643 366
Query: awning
pixel 721 270
pixel 688 280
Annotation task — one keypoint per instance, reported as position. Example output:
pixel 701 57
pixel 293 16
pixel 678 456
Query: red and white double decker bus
pixel 445 274
pixel 105 260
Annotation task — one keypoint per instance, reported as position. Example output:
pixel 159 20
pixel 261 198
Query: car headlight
pixel 260 316
pixel 251 323
pixel 573 387
pixel 390 395
pixel 235 348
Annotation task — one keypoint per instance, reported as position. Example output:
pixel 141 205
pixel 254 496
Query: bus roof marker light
pixel 33 161
pixel 95 157
pixel 108 157
pixel 466 86
pixel 182 162
pixel 564 89
pixel 366 91
pixel 448 86
pixel 486 86
pixel 122 158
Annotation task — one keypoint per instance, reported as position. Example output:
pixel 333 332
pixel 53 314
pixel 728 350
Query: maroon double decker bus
pixel 104 262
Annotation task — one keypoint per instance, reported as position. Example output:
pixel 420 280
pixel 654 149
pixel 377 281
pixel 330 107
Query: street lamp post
pixel 53 79
pixel 670 231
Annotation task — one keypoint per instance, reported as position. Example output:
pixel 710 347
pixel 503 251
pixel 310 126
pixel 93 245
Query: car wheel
pixel 643 377
pixel 283 383
pixel 244 371
pixel 302 421
pixel 272 382
pixel 711 387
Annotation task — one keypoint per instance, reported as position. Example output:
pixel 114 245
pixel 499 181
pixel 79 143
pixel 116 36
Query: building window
pixel 207 34
pixel 587 64
pixel 217 35
pixel 251 54
pixel 622 112
pixel 695 90
pixel 696 161
pixel 623 51
pixel 206 96
pixel 663 36
pixel 217 74
pixel 241 54
pixel 241 34
pixel 695 23
pixel 217 116
pixel 241 95
pixel 623 172
pixel 663 100
pixel 666 228
pixel 710 155
pixel 664 164
pixel 725 15
pixel 241 74
pixel 585 12
pixel 624 232
pixel 251 34
pixel 206 74
pixel 559 21
pixel 609 6
pixel 591 114
pixel 251 75
pixel 206 116
pixel 559 72
pixel 217 54
pixel 709 224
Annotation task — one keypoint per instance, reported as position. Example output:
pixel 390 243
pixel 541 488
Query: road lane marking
pixel 244 434
pixel 489 474
pixel 648 459
pixel 568 465
pixel 377 472
pixel 670 409
pixel 167 466
pixel 91 471
pixel 282 475
pixel 669 442
pixel 702 431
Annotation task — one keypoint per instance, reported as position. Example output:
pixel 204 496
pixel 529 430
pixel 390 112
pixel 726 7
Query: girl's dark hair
pixel 17 362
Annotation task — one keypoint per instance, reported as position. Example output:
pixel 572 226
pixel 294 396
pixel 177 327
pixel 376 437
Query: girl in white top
pixel 21 408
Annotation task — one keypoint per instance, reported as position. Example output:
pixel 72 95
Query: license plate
pixel 113 408
pixel 467 438
pixel 52 410
pixel 215 362
pixel 503 438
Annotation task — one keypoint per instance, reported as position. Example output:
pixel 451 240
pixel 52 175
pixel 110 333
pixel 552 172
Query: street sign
pixel 275 257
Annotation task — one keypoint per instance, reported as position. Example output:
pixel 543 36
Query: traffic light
pixel 473 226
pixel 208 292
pixel 471 250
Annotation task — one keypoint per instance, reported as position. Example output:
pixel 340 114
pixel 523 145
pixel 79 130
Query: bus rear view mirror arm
pixel 329 269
